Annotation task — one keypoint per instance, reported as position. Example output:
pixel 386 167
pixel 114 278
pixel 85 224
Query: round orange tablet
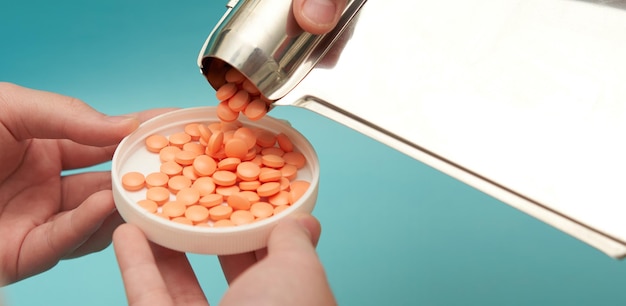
pixel 249 185
pixel 229 163
pixel 227 191
pixel 156 142
pixel 188 195
pixel 197 213
pixel 226 91
pixel 220 212
pixel 185 158
pixel 281 198
pixel 248 86
pixel 192 130
pixel 182 220
pixel 238 201
pixel 268 189
pixel 149 205
pixel 215 142
pixel 133 181
pixel 247 135
pixel 255 110
pixel 194 147
pixel 289 171
pixel 236 147
pixel 160 195
pixel 295 158
pixel 265 138
pixel 171 168
pixel 204 165
pixel 239 101
pixel 211 200
pixel 241 217
pixel 279 209
pixel 204 185
pixel 297 189
pixel 189 172
pixel 173 209
pixel 270 175
pixel 223 223
pixel 248 171
pixel 262 209
pixel 204 131
pixel 224 178
pixel 284 142
pixel 252 196
pixel 168 153
pixel 178 182
pixel 272 151
pixel 156 179
pixel 234 76
pixel 225 113
pixel 273 161
pixel 179 139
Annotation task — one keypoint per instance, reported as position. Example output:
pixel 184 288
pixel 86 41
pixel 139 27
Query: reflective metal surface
pixel 524 100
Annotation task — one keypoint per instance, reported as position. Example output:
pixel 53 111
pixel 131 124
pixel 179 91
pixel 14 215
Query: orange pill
pixel 297 189
pixel 289 171
pixel 171 168
pixel 258 160
pixel 227 191
pixel 182 220
pixel 189 172
pixel 185 158
pixel 220 212
pixel 251 154
pixel 265 138
pixel 236 147
pixel 270 175
pixel 188 195
pixel 248 86
pixel 248 171
pixel 156 179
pixel 279 209
pixel 215 142
pixel 168 153
pixel 229 164
pixel 295 158
pixel 239 101
pixel 255 110
pixel 156 142
pixel 273 161
pixel 160 195
pixel 252 196
pixel 205 133
pixel 211 200
pixel 192 130
pixel 197 213
pixel 226 91
pixel 133 181
pixel 194 147
pixel 204 185
pixel 173 209
pixel 247 135
pixel 284 142
pixel 215 127
pixel 223 223
pixel 249 185
pixel 272 151
pixel 149 205
pixel 284 183
pixel 225 113
pixel 234 76
pixel 224 178
pixel 268 189
pixel 238 201
pixel 178 182
pixel 179 139
pixel 241 217
pixel 204 165
pixel 262 209
pixel 281 198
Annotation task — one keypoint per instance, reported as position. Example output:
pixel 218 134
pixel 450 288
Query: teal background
pixel 395 232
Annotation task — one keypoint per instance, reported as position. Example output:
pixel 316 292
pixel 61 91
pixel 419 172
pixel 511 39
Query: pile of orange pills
pixel 220 174
pixel 239 95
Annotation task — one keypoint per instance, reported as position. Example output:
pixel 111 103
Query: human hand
pixel 46 217
pixel 287 272
pixel 318 16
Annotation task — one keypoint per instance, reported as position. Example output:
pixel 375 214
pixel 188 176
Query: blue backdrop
pixel 395 232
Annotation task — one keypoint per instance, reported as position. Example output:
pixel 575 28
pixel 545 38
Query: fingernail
pixel 319 11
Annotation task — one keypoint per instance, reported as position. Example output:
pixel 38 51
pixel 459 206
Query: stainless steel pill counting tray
pixel 524 100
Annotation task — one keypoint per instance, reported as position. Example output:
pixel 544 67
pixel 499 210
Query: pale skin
pixel 46 217
pixel 288 272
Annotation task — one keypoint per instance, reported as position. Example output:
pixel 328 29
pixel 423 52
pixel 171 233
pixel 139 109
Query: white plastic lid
pixel 132 155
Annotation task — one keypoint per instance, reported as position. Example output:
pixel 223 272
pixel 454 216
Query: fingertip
pixel 318 16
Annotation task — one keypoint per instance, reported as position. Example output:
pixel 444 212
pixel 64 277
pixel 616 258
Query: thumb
pixel 318 16
pixel 29 113
pixel 298 233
